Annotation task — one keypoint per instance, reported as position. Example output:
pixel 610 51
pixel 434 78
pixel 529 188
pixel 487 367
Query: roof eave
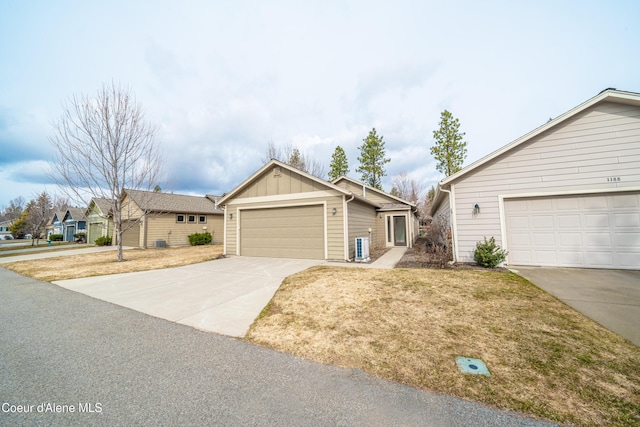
pixel 266 166
pixel 608 94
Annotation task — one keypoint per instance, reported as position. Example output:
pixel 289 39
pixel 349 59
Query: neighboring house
pixel 55 226
pixel 73 222
pixel 280 211
pixel 99 219
pixel 4 227
pixel 159 219
pixel 566 194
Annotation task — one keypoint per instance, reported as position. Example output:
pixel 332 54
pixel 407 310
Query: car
pixel 6 237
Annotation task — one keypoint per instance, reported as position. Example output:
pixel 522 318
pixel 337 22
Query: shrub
pixel 55 237
pixel 103 241
pixel 196 239
pixel 488 254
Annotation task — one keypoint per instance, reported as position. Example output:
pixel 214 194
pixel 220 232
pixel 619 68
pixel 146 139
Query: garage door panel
pixel 288 232
pixel 627 220
pixel 603 233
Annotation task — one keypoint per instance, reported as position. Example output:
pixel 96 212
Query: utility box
pixel 161 243
pixel 362 249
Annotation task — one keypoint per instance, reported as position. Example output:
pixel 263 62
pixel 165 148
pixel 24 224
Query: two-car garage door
pixel 289 232
pixel 593 231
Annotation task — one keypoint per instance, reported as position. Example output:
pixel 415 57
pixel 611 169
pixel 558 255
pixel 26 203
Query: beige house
pixel 99 219
pixel 566 194
pixel 157 219
pixel 280 211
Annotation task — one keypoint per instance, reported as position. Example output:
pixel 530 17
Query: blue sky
pixel 222 79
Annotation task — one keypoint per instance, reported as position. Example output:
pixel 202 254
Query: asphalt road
pixel 61 351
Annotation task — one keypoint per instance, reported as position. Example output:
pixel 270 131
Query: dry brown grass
pixel 408 325
pixel 101 263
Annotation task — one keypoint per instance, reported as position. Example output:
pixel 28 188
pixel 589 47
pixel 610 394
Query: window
pixel 202 219
pixel 180 218
pixel 192 219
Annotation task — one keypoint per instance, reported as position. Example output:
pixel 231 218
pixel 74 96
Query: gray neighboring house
pixel 567 194
pixel 159 219
pixel 73 222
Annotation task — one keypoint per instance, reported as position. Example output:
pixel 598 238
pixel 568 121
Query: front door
pixel 400 231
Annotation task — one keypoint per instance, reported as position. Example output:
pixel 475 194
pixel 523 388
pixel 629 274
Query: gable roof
pixel 274 162
pixel 167 202
pixel 607 95
pixel 103 204
pixel 76 214
pixel 369 188
pixel 58 215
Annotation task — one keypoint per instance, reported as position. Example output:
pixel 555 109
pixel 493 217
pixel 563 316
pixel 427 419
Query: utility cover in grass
pixel 472 366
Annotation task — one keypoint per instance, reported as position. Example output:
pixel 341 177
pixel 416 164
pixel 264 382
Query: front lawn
pixel 102 263
pixel 408 325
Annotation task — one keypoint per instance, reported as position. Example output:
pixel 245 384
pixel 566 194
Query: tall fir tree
pixel 372 160
pixel 449 150
pixel 339 164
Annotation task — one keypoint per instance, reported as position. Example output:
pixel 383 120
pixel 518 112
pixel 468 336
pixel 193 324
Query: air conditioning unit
pixel 161 244
pixel 362 249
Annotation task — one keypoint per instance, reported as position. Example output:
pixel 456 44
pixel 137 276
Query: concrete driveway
pixel 223 296
pixel 610 297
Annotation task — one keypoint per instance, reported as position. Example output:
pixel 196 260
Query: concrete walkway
pixel 42 252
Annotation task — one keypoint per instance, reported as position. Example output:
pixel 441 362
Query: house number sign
pixel 613 179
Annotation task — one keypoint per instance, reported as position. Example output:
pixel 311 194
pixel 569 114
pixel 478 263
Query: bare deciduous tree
pixel 293 156
pixel 103 146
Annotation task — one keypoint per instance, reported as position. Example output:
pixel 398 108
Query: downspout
pixel 452 209
pixel 224 230
pixel 346 227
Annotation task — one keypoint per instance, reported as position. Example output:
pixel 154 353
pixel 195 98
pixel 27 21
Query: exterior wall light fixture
pixel 476 209
pixel 334 210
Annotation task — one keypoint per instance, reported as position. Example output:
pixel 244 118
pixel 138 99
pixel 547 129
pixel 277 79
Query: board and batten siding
pixel 362 218
pixel 597 150
pixel 279 181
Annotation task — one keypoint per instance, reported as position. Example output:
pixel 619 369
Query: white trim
pixel 576 192
pixel 503 226
pixel 284 197
pixel 224 231
pixel 454 223
pixel 251 208
pixel 345 228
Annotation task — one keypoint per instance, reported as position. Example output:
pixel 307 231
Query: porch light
pixel 334 210
pixel 476 209
pixel 230 216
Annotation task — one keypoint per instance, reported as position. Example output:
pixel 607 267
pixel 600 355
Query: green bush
pixel 55 237
pixel 488 254
pixel 200 238
pixel 103 241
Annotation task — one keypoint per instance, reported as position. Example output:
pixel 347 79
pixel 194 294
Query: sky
pixel 222 79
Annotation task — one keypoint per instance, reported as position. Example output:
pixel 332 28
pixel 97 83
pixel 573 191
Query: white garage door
pixel 291 232
pixel 595 231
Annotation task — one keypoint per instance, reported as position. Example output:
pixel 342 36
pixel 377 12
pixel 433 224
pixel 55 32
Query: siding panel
pixel 580 155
